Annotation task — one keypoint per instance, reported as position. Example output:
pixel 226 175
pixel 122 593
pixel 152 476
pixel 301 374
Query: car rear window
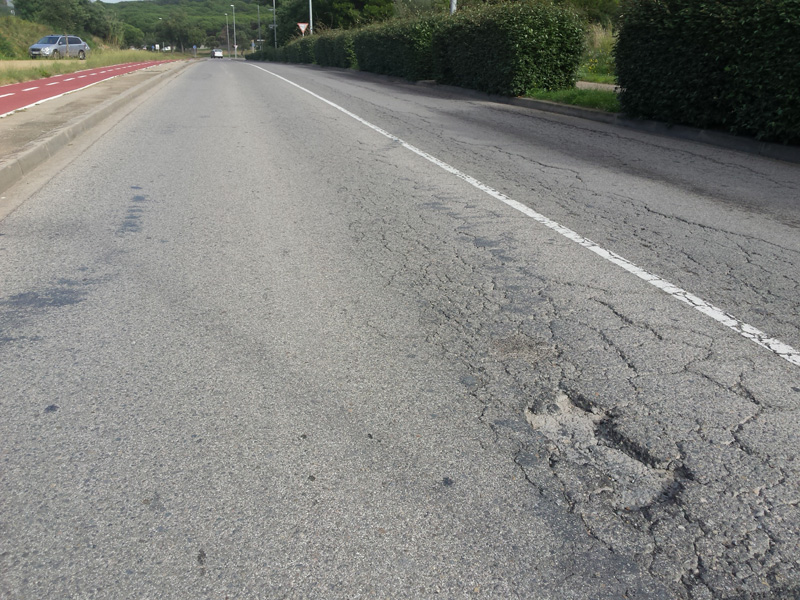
pixel 74 40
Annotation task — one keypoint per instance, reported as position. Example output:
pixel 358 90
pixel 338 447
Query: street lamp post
pixel 227 34
pixel 234 30
pixel 274 26
pixel 310 18
pixel 258 8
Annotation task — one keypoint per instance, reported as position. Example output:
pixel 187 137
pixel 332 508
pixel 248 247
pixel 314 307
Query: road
pixel 293 332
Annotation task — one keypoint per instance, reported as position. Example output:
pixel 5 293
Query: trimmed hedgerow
pixel 401 48
pixel 727 64
pixel 301 50
pixel 335 49
pixel 270 54
pixel 510 48
pixel 506 48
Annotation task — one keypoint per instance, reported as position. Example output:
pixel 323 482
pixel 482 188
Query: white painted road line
pixel 31 89
pixel 7 95
pixel 54 83
pixel 748 331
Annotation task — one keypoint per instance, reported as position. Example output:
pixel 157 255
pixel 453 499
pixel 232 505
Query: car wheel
pixel 56 55
pixel 82 55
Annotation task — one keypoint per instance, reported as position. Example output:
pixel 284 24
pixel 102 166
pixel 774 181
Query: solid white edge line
pixel 754 334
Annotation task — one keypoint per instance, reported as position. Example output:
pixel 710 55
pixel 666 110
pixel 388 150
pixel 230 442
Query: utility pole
pixel 234 31
pixel 227 35
pixel 258 8
pixel 274 26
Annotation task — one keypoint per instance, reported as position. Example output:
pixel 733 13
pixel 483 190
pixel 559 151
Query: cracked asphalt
pixel 249 347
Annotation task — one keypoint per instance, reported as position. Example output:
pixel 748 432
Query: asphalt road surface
pixel 304 333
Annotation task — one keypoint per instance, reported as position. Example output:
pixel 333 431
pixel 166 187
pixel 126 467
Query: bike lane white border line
pixel 748 331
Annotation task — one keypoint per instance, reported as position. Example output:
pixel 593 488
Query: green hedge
pixel 401 48
pixel 301 50
pixel 335 49
pixel 269 53
pixel 505 49
pixel 510 48
pixel 725 64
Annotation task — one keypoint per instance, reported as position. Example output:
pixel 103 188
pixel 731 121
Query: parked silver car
pixel 59 46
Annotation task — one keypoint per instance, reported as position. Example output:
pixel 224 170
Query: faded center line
pixel 753 334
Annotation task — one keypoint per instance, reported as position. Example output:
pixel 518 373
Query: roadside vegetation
pixel 597 99
pixel 720 64
pixel 17 34
pixel 713 64
pixel 597 64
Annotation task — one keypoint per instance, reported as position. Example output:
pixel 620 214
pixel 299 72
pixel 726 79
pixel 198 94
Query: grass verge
pixel 597 99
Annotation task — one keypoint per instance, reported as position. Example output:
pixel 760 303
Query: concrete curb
pixel 22 164
pixel 683 132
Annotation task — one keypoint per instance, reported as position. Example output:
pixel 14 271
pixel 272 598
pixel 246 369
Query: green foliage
pixel 728 64
pixel 509 48
pixel 597 99
pixel 17 34
pixel 270 53
pixel 132 37
pixel 335 49
pixel 68 16
pixel 597 63
pixel 6 49
pixel 503 49
pixel 604 12
pixel 301 50
pixel 401 48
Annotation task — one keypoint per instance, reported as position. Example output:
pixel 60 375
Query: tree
pixel 132 37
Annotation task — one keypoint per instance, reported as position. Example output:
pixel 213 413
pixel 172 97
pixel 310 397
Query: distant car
pixel 59 46
pixel 216 53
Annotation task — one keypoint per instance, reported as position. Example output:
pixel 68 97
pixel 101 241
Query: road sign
pixel 302 27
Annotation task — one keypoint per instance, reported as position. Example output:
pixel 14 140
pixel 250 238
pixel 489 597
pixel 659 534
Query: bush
pixel 301 50
pixel 269 53
pixel 401 48
pixel 335 49
pixel 505 49
pixel 726 64
pixel 510 48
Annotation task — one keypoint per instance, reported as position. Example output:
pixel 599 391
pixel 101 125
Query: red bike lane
pixel 18 96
